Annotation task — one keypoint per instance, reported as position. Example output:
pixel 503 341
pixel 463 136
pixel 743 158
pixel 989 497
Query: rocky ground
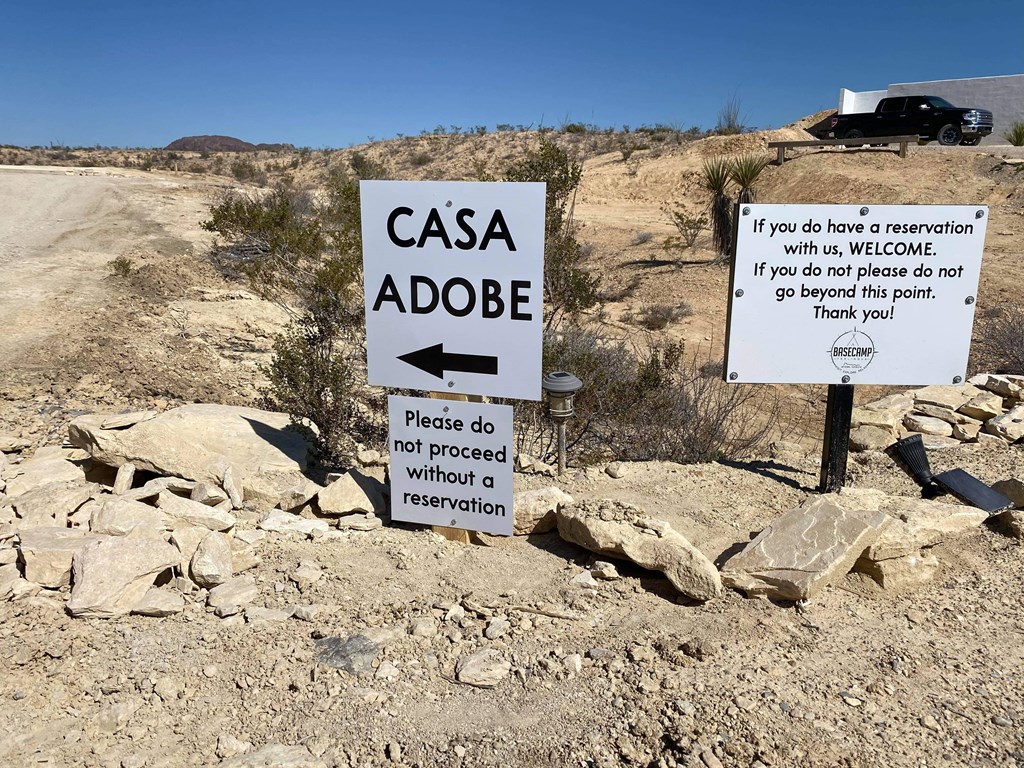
pixel 198 611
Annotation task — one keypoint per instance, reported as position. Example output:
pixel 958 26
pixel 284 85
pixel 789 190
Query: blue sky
pixel 335 73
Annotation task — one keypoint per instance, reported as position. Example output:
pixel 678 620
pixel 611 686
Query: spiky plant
pixel 743 172
pixel 1016 134
pixel 715 180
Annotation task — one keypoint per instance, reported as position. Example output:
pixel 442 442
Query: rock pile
pixel 988 409
pixel 141 514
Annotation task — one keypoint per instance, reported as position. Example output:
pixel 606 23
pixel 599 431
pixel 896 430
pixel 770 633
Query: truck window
pixel 939 103
pixel 893 105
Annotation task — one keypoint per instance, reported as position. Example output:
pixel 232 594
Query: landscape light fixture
pixel 561 388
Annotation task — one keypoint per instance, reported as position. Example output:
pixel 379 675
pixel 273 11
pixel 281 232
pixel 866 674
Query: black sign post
pixel 836 448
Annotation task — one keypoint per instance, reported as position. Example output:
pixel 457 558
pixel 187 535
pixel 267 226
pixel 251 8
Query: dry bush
pixel 654 317
pixel 999 345
pixel 645 404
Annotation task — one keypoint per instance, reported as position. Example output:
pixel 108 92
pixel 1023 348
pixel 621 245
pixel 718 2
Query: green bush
pixel 420 159
pixel 569 288
pixel 1016 134
pixel 122 266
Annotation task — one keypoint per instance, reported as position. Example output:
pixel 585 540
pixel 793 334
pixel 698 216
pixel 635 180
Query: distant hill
pixel 221 144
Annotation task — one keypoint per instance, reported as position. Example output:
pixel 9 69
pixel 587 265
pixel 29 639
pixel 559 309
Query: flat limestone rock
pixel 111 576
pixel 983 407
pixel 160 602
pixel 805 549
pixel 287 490
pixel 240 590
pixel 274 756
pixel 883 419
pixel 352 492
pixel 187 540
pixel 47 465
pixel 279 521
pixel 927 425
pixel 870 438
pixel 367 522
pixel 534 511
pixel 119 516
pixel 12 444
pixel 916 523
pixel 122 420
pixel 1013 489
pixel 945 414
pixel 194 513
pixel 900 574
pixel 46 554
pixel 620 530
pixel 51 504
pixel 951 397
pixel 198 442
pixel 483 669
pixel 1009 426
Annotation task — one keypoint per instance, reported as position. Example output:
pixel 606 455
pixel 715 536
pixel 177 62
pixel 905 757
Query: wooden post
pixel 782 155
pixel 836 448
pixel 903 149
pixel 459 535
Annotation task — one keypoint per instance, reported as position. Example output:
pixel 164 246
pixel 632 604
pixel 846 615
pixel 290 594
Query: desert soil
pixel 857 677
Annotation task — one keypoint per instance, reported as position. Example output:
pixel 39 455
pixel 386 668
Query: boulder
pixel 1004 386
pixel 534 511
pixel 869 438
pixel 1009 426
pixel 211 565
pixel 111 576
pixel 483 669
pixel 967 432
pixel 620 530
pixel 119 516
pixel 927 425
pixel 187 540
pixel 46 554
pixel 199 442
pixel 805 549
pixel 193 513
pixel 160 602
pixel 51 504
pixel 208 494
pixel 286 490
pixel 352 492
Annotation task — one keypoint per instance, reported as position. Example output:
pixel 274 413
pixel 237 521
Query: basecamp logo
pixel 852 352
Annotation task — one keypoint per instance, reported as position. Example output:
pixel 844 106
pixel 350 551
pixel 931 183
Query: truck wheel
pixel 971 142
pixel 854 133
pixel 949 135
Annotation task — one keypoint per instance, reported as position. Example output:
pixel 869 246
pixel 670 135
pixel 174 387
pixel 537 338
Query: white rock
pixel 124 479
pixel 423 626
pixel 47 465
pixel 160 602
pixel 497 627
pixel 111 576
pixel 187 541
pixel 239 590
pixel 208 494
pixel 483 669
pixel 212 563
pixel 927 425
pixel 47 554
pixel 534 511
pixel 352 492
pixel 193 513
pixel 279 521
pixel 1009 426
pixel 253 613
pixel 52 503
pixel 120 516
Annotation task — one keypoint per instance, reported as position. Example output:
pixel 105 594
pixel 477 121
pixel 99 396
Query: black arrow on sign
pixel 435 361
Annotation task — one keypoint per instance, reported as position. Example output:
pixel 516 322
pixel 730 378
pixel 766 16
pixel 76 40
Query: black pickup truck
pixel 930 117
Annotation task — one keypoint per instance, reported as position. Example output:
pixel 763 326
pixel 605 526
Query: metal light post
pixel 561 387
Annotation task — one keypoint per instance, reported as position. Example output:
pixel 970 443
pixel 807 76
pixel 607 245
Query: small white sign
pixel 454 285
pixel 451 463
pixel 856 294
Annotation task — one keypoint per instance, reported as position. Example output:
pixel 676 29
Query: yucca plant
pixel 716 181
pixel 1016 134
pixel 743 172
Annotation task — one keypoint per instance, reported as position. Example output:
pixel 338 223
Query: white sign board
pixel 451 463
pixel 454 287
pixel 874 294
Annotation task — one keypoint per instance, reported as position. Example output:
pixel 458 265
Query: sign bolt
pixel 739 292
pixel 451 384
pixel 864 211
pixel 448 204
pixel 969 300
pixel 453 522
pixel 733 376
pixel 957 379
pixel 846 379
pixel 746 211
pixel 979 214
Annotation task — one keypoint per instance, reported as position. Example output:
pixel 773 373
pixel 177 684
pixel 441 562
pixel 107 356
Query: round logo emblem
pixel 852 352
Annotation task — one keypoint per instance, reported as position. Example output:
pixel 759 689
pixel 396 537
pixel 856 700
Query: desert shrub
pixel 244 170
pixel 688 226
pixel 729 120
pixel 744 171
pixel 365 168
pixel 655 317
pixel 122 266
pixel 999 344
pixel 627 152
pixel 645 405
pixel 640 238
pixel 420 159
pixel 305 254
pixel 715 179
pixel 574 128
pixel 569 288
pixel 1015 135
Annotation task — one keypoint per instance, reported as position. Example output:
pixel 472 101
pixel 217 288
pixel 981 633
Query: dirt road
pixel 60 228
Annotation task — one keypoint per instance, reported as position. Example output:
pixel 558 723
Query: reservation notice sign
pixel 857 294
